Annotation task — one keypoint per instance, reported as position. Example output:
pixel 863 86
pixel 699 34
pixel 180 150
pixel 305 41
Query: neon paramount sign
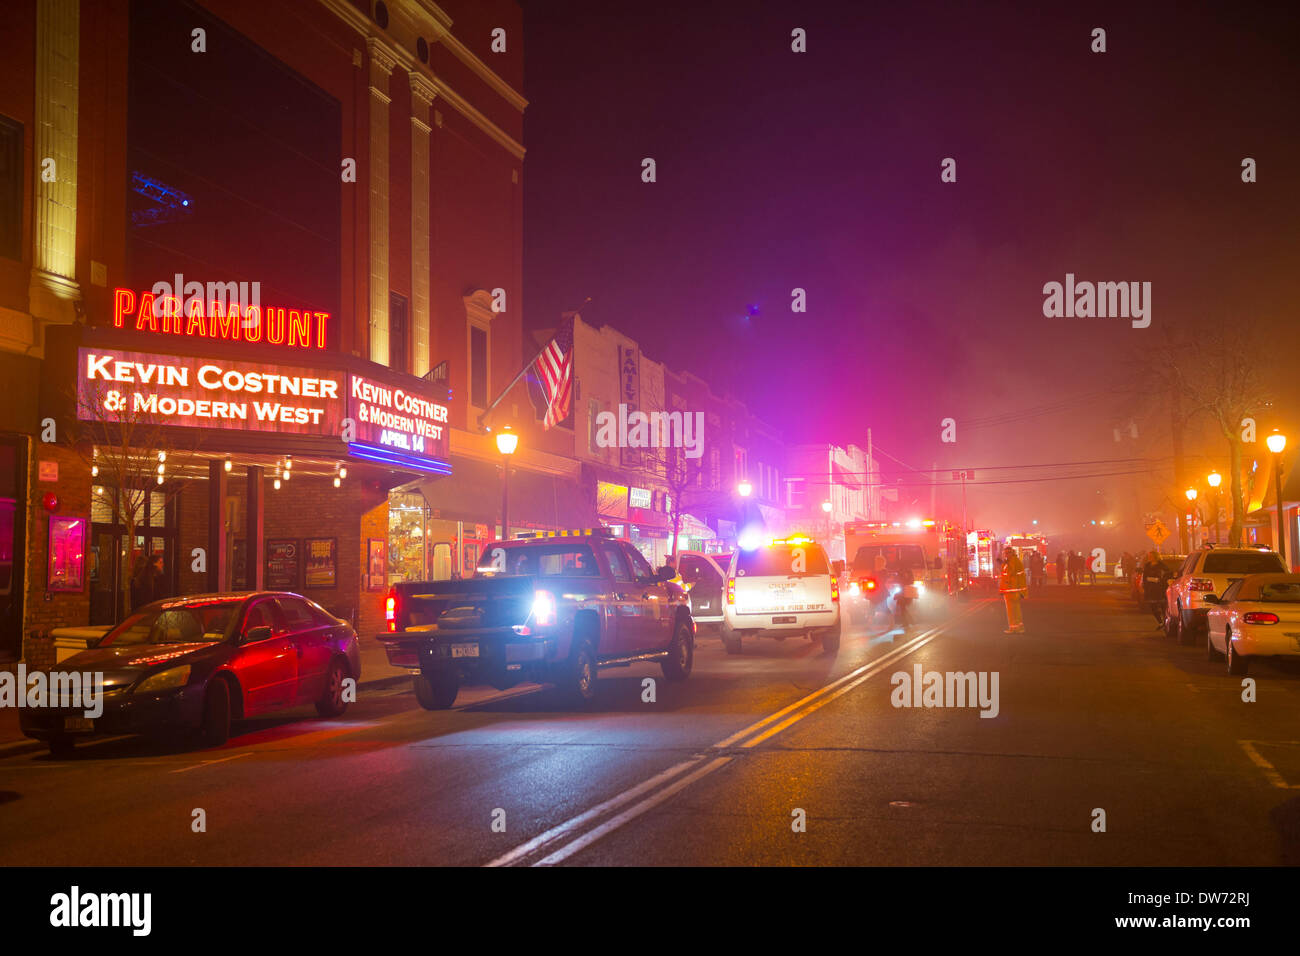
pixel 220 320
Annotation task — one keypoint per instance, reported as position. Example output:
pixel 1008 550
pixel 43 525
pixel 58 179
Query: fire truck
pixel 982 561
pixel 1024 542
pixel 930 548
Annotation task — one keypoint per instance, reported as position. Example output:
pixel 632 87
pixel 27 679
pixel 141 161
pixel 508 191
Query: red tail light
pixel 390 610
pixel 1259 617
pixel 731 590
pixel 835 590
pixel 869 584
pixel 1200 584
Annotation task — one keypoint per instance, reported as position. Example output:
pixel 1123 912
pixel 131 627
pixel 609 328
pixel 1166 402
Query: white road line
pixel 209 763
pixel 609 826
pixel 1269 771
pixel 793 713
pixel 551 835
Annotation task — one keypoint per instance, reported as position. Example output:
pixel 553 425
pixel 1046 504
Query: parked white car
pixel 1257 616
pixel 1209 571
pixel 782 589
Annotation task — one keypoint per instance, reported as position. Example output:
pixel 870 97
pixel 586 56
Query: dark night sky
pixel 821 170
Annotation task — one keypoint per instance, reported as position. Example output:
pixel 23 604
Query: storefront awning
pixel 472 493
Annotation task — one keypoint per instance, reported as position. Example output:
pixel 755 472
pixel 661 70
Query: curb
pixel 28 745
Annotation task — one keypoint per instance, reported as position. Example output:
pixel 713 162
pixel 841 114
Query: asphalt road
pixel 1095 711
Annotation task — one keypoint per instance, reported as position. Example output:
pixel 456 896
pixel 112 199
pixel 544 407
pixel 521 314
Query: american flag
pixel 554 368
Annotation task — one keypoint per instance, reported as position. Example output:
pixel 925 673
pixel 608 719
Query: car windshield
pixel 1283 592
pixel 897 557
pixel 1251 562
pixel 175 624
pixel 780 560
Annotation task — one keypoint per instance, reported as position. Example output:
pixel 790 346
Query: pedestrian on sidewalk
pixel 1012 585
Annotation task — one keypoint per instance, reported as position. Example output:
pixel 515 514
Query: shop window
pixel 407 527
pixel 11 188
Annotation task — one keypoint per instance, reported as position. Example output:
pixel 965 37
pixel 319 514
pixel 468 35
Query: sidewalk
pixel 375 672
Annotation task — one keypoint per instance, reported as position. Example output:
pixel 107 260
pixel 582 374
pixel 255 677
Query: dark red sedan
pixel 192 664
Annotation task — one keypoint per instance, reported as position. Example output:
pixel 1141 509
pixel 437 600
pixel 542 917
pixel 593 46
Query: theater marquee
pixel 143 388
pixel 397 427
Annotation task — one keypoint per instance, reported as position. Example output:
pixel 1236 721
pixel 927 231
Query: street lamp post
pixel 1215 479
pixel 507 442
pixel 826 509
pixel 1276 443
pixel 1191 497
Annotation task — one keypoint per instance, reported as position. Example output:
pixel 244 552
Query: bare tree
pixel 1203 373
pixel 131 457
pixel 1231 388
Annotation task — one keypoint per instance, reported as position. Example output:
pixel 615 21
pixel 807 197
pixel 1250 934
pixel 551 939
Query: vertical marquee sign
pixel 397 427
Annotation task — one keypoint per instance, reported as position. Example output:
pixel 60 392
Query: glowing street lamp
pixel 744 489
pixel 507 442
pixel 1276 444
pixel 826 507
pixel 1191 494
pixel 1215 479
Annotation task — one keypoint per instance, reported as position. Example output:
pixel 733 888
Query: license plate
pixel 784 620
pixel 464 650
pixel 78 723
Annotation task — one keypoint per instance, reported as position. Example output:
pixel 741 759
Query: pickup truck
pixel 546 609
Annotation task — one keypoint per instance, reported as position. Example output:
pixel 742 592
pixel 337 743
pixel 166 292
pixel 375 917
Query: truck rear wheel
pixel 681 653
pixel 579 684
pixel 831 639
pixel 730 640
pixel 436 689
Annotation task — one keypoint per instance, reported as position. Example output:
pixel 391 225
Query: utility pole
pixel 871 479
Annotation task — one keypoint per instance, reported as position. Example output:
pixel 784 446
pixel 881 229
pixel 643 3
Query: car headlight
pixel 920 588
pixel 169 679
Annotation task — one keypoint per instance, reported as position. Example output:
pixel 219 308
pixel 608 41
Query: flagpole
pixel 515 381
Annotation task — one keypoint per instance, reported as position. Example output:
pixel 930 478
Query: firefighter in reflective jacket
pixel 1012 584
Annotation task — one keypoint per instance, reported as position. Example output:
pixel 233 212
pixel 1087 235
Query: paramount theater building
pixel 260 272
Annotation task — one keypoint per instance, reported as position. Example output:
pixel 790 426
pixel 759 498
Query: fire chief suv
pixel 1209 571
pixel 782 589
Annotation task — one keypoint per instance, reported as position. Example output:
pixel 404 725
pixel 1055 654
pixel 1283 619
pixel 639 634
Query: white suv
pixel 779 590
pixel 1209 571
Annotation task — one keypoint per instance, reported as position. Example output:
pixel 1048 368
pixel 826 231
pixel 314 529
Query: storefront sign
pixel 221 317
pixel 639 497
pixel 143 388
pixel 47 471
pixel 629 376
pixel 611 500
pixel 282 564
pixel 397 426
pixel 322 562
